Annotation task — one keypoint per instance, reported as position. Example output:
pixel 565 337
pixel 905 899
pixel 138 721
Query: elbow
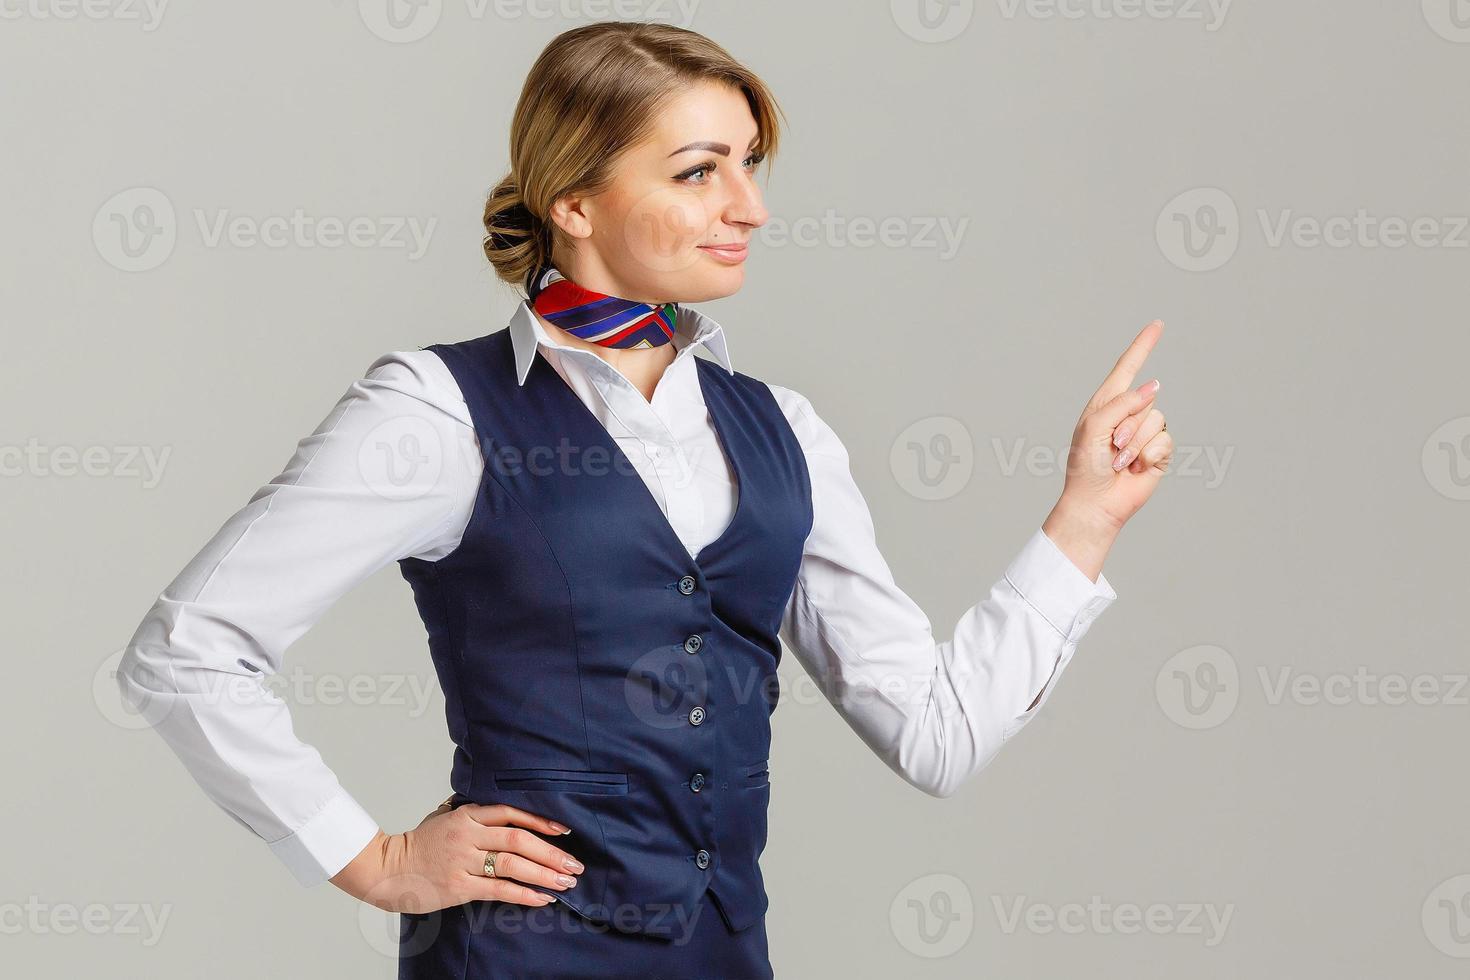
pixel 940 783
pixel 144 681
pixel 945 778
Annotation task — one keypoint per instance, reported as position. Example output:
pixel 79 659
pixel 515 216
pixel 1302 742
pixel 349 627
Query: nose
pixel 745 205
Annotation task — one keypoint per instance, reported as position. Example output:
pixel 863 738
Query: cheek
pixel 660 229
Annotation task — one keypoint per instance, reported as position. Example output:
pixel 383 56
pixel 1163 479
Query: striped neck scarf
pixel 597 317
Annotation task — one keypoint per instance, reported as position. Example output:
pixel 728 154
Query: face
pixel 671 226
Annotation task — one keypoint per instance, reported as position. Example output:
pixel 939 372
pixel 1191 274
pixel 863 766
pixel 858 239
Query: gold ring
pixel 490 863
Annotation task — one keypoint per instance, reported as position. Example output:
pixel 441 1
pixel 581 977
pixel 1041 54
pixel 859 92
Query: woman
pixel 607 539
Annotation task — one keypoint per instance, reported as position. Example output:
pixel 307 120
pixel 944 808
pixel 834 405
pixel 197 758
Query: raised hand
pixel 1120 449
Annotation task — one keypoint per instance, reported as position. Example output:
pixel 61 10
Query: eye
pixel 709 166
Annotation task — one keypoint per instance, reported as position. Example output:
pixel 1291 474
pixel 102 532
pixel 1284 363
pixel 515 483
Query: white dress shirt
pixel 935 712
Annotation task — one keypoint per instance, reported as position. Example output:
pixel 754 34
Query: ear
pixel 569 213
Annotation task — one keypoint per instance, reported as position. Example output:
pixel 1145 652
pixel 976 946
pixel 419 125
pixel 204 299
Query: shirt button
pixel 696 715
pixel 696 783
pixel 701 858
pixel 686 584
pixel 693 644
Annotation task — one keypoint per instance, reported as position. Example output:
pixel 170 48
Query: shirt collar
pixel 691 329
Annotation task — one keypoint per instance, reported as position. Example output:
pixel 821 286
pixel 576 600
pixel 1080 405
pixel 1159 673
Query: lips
pixel 727 251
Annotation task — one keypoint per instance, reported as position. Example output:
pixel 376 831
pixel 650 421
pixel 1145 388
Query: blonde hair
pixel 594 92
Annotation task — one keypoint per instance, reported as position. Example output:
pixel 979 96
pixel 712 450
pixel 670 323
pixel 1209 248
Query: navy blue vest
pixel 592 671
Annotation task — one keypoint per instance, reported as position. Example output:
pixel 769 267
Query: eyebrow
pixel 723 149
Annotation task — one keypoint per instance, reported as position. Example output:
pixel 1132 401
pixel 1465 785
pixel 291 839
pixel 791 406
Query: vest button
pixel 686 584
pixel 697 782
pixel 696 714
pixel 693 644
pixel 701 858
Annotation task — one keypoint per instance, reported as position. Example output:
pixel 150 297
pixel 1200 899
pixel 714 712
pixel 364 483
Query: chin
pixel 705 284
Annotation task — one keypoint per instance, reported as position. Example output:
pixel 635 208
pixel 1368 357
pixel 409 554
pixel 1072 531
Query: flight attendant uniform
pixel 595 674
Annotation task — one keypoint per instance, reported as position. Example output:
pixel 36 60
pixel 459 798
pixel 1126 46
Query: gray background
pixel 1314 527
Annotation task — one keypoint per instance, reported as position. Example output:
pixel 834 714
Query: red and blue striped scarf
pixel 597 317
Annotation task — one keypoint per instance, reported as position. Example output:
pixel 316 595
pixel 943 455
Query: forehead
pixel 706 111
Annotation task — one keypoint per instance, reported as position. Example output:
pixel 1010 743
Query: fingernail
pixel 560 828
pixel 1121 437
pixel 572 864
pixel 1149 386
pixel 566 880
pixel 1121 459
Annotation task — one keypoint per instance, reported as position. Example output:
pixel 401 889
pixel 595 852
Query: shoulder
pixel 417 375
pixel 812 431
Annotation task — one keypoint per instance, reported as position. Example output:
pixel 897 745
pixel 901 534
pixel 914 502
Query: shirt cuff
pixel 1057 589
pixel 328 841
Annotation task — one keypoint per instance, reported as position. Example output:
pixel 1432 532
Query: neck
pixel 643 368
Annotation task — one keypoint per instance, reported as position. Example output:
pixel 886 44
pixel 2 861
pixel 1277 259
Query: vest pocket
pixel 562 781
pixel 757 774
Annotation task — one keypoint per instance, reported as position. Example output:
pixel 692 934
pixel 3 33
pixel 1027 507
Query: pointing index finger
pixel 1120 379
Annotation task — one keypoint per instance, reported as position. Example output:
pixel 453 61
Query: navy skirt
pixel 490 940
